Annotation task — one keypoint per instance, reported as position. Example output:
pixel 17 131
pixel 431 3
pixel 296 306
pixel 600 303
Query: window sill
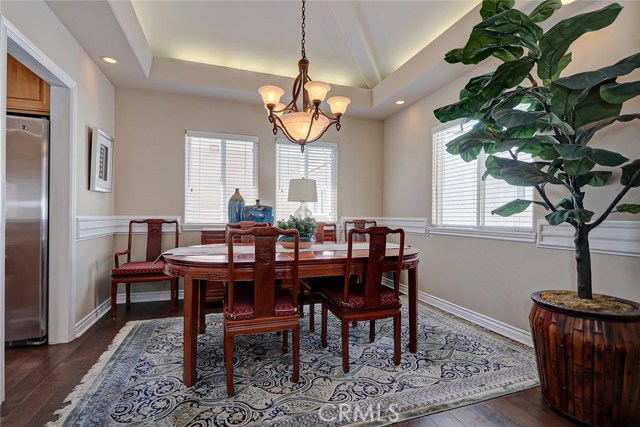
pixel 512 236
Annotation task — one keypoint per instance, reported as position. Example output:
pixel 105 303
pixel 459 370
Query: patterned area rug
pixel 138 380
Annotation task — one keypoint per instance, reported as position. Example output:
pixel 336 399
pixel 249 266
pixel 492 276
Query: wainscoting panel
pixel 94 227
pixel 410 225
pixel 610 237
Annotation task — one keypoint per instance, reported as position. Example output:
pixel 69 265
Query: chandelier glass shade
pixel 303 120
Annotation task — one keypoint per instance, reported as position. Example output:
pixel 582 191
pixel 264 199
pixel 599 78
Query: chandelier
pixel 308 122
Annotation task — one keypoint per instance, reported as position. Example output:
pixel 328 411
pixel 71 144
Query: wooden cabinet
pixel 215 289
pixel 26 92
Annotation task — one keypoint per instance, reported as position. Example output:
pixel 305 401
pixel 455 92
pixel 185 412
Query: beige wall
pixel 149 159
pixel 95 108
pixel 495 277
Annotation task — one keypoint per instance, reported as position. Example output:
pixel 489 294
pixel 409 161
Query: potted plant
pixel 306 227
pixel 539 132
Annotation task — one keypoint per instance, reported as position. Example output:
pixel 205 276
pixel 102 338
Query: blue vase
pixel 236 203
pixel 258 213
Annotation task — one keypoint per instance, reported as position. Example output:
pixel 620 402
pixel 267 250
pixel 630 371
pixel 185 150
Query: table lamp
pixel 303 191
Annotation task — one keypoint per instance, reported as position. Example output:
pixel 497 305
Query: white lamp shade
pixel 270 94
pixel 297 125
pixel 317 90
pixel 302 190
pixel 338 104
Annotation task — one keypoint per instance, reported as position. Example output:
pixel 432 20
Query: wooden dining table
pixel 199 264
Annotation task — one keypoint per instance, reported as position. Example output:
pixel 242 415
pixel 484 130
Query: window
pixel 320 162
pixel 215 165
pixel 461 198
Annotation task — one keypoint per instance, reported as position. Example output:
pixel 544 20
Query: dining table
pixel 199 264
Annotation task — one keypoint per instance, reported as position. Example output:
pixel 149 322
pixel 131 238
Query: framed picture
pixel 101 161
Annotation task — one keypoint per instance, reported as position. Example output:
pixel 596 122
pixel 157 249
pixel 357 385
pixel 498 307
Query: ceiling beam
pixel 350 24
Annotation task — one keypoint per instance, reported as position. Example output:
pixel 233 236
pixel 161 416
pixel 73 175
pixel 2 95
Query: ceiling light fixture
pixel 399 102
pixel 109 59
pixel 304 124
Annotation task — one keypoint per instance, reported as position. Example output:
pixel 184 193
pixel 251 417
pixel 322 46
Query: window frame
pixel 479 230
pixel 255 140
pixel 322 144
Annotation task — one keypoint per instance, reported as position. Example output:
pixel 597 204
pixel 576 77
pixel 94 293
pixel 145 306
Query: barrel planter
pixel 588 362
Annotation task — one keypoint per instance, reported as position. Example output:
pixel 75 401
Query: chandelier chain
pixel 304 53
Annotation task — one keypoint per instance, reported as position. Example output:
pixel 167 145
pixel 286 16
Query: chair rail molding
pixel 610 237
pixel 95 227
pixel 409 225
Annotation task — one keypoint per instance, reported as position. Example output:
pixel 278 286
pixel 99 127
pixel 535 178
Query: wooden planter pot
pixel 589 362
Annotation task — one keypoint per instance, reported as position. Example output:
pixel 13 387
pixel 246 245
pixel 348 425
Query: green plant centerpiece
pixel 538 129
pixel 306 227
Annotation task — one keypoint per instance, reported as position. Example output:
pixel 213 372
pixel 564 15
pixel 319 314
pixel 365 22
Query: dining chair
pixel 358 224
pixel 242 225
pixel 326 232
pixel 143 271
pixel 262 306
pixel 370 300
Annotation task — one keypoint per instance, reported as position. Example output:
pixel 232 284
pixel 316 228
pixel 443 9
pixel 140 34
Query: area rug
pixel 138 381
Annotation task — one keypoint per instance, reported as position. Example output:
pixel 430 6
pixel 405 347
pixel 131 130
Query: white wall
pixel 149 159
pixel 95 108
pixel 495 278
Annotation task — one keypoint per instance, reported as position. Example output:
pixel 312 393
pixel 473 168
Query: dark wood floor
pixel 39 378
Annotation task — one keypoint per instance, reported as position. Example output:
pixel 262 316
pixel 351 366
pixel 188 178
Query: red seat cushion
pixel 243 304
pixel 335 293
pixel 144 267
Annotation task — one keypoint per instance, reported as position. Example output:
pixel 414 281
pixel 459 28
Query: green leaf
pixel 469 145
pixel 593 108
pixel 467 108
pixel 453 56
pixel 578 167
pixel 585 133
pixel 515 207
pixel 594 178
pixel 564 61
pixel 566 203
pixel 508 53
pixel 513 22
pixel 544 10
pixel 577 215
pixel 508 75
pixel 493 7
pixel 615 93
pixel 526 175
pixel 589 79
pixel 516 118
pixel 555 42
pixel 625 208
pixel 475 85
pixel 480 46
pixel 564 100
pixel 628 171
pixel 597 155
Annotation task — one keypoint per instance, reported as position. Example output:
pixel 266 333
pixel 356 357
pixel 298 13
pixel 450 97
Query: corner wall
pixel 492 277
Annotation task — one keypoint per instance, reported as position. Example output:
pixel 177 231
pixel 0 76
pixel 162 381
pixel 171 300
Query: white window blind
pixel 320 162
pixel 215 165
pixel 461 198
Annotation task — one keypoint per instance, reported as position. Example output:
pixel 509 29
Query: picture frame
pixel 101 178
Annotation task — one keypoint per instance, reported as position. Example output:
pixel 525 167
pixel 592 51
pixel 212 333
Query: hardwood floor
pixel 39 378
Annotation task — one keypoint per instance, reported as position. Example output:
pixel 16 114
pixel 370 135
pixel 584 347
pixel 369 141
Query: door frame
pixel 62 183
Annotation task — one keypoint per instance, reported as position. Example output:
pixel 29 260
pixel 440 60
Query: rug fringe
pixel 90 376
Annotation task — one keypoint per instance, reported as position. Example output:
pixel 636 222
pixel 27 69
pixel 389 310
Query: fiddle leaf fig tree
pixel 524 109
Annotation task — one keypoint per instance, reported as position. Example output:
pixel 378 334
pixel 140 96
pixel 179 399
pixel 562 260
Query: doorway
pixel 62 235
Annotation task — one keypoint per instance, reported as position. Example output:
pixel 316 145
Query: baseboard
pixel 148 296
pixel 487 322
pixel 91 318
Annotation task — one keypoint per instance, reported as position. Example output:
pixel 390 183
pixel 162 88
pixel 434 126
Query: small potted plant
pixel 306 227
pixel 586 344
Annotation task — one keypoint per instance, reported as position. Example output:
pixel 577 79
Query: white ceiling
pixel 373 51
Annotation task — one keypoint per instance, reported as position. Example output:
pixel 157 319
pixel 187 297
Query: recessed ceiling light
pixel 109 59
pixel 400 102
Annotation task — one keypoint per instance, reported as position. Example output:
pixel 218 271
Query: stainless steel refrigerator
pixel 27 230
